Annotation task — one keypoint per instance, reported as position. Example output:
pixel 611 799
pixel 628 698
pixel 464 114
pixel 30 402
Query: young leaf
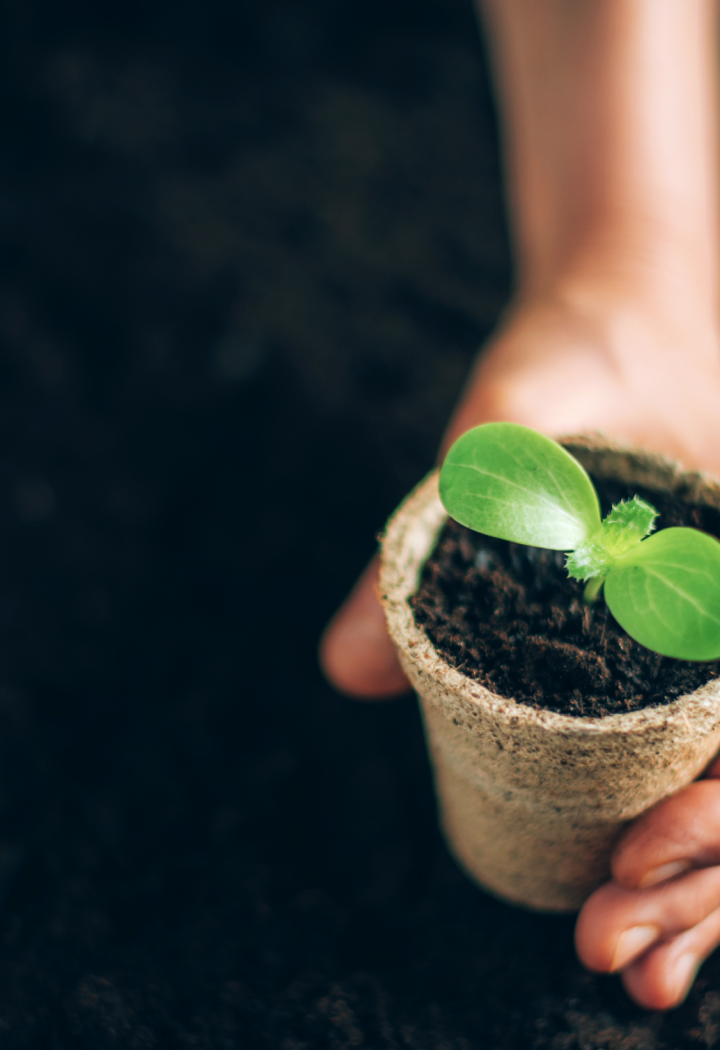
pixel 591 559
pixel 627 523
pixel 666 594
pixel 510 482
pixel 624 527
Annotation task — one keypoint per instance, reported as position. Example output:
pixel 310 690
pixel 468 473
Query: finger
pixel 616 925
pixel 356 653
pixel 481 404
pixel 663 977
pixel 677 834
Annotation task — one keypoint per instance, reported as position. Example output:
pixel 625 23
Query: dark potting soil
pixel 509 616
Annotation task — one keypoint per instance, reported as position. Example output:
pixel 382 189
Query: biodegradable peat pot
pixel 531 802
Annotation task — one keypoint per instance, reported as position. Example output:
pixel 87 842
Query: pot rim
pixel 409 538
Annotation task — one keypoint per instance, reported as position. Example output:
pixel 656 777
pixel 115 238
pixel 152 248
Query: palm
pixel 562 372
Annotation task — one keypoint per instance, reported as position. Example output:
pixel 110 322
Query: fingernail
pixel 664 872
pixel 631 943
pixel 686 969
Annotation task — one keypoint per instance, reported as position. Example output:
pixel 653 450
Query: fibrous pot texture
pixel 531 802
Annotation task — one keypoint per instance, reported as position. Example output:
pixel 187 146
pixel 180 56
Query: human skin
pixel 610 121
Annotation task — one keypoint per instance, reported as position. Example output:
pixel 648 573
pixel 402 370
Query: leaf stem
pixel 592 589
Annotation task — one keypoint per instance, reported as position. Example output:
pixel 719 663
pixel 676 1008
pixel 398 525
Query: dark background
pixel 248 252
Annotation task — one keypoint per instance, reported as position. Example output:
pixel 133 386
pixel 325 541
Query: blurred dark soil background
pixel 248 253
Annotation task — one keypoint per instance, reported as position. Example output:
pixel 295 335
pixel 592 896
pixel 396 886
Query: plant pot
pixel 531 802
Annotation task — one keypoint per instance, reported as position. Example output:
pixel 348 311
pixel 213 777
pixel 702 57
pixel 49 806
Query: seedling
pixel 510 482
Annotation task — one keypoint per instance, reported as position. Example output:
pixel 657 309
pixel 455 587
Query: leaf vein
pixel 683 594
pixel 521 488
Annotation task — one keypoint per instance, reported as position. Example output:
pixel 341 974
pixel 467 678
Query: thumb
pixel 356 653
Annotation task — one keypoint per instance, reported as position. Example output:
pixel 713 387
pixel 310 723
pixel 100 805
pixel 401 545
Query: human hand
pixel 594 359
pixel 659 917
pixel 584 360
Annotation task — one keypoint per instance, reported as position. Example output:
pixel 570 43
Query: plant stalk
pixel 592 589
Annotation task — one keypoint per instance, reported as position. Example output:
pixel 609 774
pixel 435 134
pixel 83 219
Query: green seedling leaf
pixel 627 523
pixel 591 559
pixel 666 594
pixel 624 527
pixel 510 482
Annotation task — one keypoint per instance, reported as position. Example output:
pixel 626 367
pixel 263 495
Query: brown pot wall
pixel 531 802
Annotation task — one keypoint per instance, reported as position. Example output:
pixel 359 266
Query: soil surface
pixel 509 616
pixel 248 253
